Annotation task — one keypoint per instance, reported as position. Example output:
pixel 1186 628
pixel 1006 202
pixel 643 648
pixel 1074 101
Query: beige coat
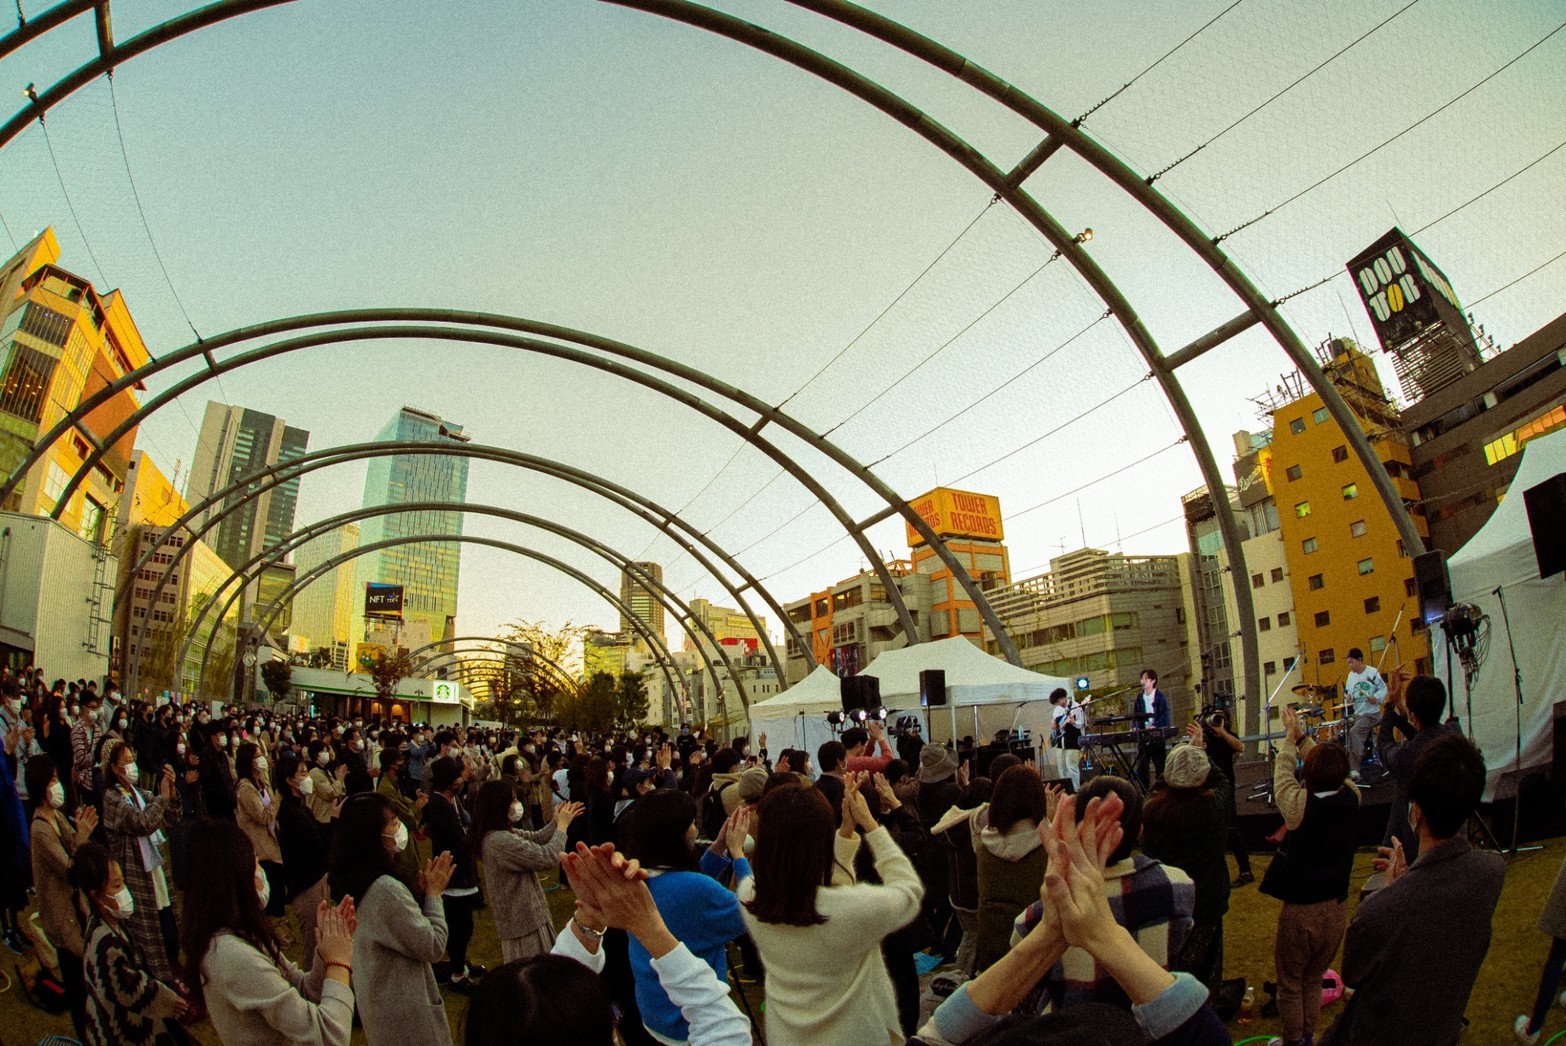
pixel 52 852
pixel 259 820
pixel 328 789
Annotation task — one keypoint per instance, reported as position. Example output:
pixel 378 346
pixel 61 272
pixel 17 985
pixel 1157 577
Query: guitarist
pixel 1150 713
pixel 1069 721
pixel 1367 690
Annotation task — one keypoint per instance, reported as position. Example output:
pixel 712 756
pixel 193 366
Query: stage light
pixel 859 715
pixel 1082 682
pixel 1084 236
pixel 879 714
pixel 835 718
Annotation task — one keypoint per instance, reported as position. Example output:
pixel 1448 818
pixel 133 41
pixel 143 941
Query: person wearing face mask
pixel 512 858
pixel 358 777
pixel 303 846
pixel 256 812
pixel 133 822
pixel 86 731
pixel 253 994
pixel 401 925
pixel 128 1002
pixel 447 823
pixel 217 774
pixel 408 811
pixel 327 787
pixel 419 751
pixel 55 842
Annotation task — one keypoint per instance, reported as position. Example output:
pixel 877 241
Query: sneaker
pixel 1244 879
pixel 461 985
pixel 476 971
pixel 1520 1031
pixel 1354 774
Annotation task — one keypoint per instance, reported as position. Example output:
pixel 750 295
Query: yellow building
pixel 971 526
pixel 1352 578
pixel 61 341
pixel 604 652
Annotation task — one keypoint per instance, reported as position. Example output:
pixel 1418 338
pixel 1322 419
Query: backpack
pixel 712 813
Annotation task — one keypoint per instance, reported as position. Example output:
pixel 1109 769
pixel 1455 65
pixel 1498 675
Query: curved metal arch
pixel 413 655
pixel 561 674
pixel 271 476
pixel 272 609
pixel 750 432
pixel 273 553
pixel 488 657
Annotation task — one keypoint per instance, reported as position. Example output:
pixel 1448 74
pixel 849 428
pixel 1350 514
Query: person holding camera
pixel 1222 746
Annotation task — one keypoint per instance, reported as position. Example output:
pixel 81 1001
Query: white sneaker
pixel 1354 774
pixel 1521 1034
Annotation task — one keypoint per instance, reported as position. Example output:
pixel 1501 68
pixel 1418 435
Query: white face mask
pixel 263 889
pixel 516 813
pixel 123 722
pixel 306 785
pixel 124 904
pixel 261 765
pixel 57 795
pixel 222 740
pixel 131 772
pixel 179 749
pixel 400 839
pixel 323 758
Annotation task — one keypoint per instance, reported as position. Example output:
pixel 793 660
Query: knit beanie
pixel 1187 767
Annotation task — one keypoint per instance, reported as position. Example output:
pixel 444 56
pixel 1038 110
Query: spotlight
pixel 859 715
pixel 879 714
pixel 835 718
pixel 30 92
pixel 1084 236
pixel 1082 682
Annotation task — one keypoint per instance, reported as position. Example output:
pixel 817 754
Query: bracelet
pixel 590 932
pixel 344 965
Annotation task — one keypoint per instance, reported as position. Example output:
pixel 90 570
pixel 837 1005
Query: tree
pixel 278 677
pixel 552 695
pixel 630 701
pixel 595 710
pixel 391 669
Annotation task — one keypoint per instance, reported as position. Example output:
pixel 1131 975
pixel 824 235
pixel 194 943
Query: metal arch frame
pixel 1060 132
pixel 271 554
pixel 273 608
pixel 274 475
pixel 555 666
pixel 487 655
pixel 750 432
pixel 414 654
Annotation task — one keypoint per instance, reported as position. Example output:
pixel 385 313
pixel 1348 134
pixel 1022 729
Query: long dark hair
pixel 221 895
pixel 245 762
pixel 1018 796
pixel 547 1000
pixel 359 855
pixel 39 773
pixel 653 831
pixel 283 771
pixel 793 856
pixel 491 813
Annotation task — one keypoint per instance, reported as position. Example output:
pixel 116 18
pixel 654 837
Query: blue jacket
pixel 1160 708
pixel 704 916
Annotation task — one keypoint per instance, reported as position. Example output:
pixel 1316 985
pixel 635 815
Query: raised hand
pixel 422 800
pixel 735 831
pixel 761 742
pixel 1052 794
pixel 616 892
pixel 1390 861
pixel 1193 731
pixel 665 756
pixel 565 813
pixel 782 766
pixel 333 934
pixel 964 773
pixel 1074 884
pixel 436 875
pixel 1291 724
pixel 887 794
pixel 86 821
pixel 855 808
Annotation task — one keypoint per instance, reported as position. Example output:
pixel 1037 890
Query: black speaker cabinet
pixel 932 687
pixel 1546 505
pixel 850 691
pixel 1433 583
pixel 871 691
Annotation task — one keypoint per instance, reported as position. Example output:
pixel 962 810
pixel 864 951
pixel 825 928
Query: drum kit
pixel 1312 710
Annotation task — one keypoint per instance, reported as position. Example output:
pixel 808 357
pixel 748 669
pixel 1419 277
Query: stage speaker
pixel 932 687
pixel 850 690
pixel 870 691
pixel 1434 585
pixel 984 757
pixel 1546 505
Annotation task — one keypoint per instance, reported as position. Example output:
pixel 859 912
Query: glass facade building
pixel 428 572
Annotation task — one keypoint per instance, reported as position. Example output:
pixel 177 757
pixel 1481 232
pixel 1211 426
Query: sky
pixel 607 170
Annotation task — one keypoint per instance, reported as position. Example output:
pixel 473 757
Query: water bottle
pixel 1247 1005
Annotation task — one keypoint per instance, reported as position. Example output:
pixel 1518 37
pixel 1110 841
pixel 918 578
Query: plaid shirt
pixel 1151 900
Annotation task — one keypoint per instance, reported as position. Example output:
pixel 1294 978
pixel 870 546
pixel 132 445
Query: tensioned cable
pixel 1437 221
pixel 1334 57
pixel 102 282
pixel 1100 405
pixel 1123 87
pixel 1036 363
pixel 1519 279
pixel 1094 482
pixel 945 344
pixel 890 305
pixel 1366 155
pixel 119 131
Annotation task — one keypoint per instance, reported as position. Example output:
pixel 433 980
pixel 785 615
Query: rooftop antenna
pixel 1082 525
pixel 1120 545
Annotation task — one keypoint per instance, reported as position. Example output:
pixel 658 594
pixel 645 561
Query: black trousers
pixel 459 929
pixel 1150 755
pixel 905 985
pixel 74 981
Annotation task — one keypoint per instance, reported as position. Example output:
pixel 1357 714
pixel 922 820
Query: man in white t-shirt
pixel 1366 689
pixel 1070 722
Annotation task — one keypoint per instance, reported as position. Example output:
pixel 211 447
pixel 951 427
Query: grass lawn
pixel 1505 987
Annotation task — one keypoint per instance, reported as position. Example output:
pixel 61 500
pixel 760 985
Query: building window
pixel 1316 582
pixel 1301 510
pixel 1309 545
pixel 54 482
pixel 1350 491
pixel 1325 657
pixel 1410 588
pixel 1293 472
pixel 1357 529
pixel 1277 574
pixel 1323 618
pixel 1373 605
pixel 1339 455
pixel 1258 580
pixel 1378 644
pixel 1367 566
pixel 1319 415
pixel 1269 668
pixel 26 382
pixel 1283 619
pixel 1297 426
pixel 1264 624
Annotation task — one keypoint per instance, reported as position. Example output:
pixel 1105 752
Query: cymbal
pixel 1310 711
pixel 1308 689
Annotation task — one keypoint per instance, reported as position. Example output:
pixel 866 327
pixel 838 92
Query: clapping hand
pixel 166 783
pixel 855 809
pixel 613 889
pixel 436 875
pixel 887 794
pixel 86 821
pixel 565 813
pixel 1052 794
pixel 1078 852
pixel 782 766
pixel 1390 861
pixel 964 773
pixel 334 929
pixel 1193 731
pixel 1397 682
pixel 735 831
pixel 665 756
pixel 1291 724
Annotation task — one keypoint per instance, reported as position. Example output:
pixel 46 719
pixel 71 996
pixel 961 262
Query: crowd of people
pixel 178 856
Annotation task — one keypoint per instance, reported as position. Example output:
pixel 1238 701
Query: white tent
pixel 796 718
pixel 1496 563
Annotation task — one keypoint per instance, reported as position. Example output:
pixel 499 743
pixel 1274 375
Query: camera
pixel 1214 717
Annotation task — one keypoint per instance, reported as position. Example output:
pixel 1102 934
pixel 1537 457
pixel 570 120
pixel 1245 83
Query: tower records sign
pixel 384 601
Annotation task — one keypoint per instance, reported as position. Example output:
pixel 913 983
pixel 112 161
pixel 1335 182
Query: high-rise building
pixel 151 499
pixel 728 626
pixel 60 340
pixel 323 611
pixel 1216 657
pixel 159 620
pixel 236 442
pixel 1352 578
pixel 427 571
pixel 851 622
pixel 641 600
pixel 970 526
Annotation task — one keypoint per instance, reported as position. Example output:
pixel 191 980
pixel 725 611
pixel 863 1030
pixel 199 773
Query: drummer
pixel 1365 687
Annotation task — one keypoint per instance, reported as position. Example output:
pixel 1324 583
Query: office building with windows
pixel 851 622
pixel 236 442
pixel 427 571
pixel 61 341
pixel 323 610
pixel 642 601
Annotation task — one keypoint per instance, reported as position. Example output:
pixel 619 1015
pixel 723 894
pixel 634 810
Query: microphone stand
pixel 1264 791
pixel 1500 594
